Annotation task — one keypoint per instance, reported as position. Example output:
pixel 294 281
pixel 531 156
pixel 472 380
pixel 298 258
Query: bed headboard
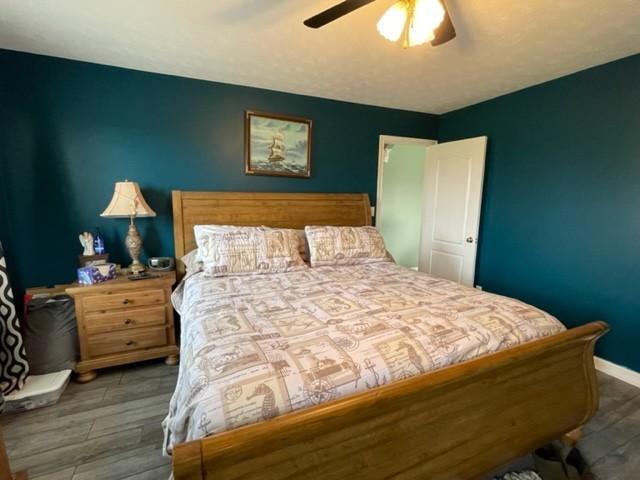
pixel 285 210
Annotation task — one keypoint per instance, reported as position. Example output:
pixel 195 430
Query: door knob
pixel 469 239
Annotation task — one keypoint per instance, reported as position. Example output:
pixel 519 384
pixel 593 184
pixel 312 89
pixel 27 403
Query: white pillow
pixel 191 262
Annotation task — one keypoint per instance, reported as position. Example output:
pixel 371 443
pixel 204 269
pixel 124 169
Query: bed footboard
pixel 456 423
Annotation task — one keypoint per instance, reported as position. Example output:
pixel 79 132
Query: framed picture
pixel 277 145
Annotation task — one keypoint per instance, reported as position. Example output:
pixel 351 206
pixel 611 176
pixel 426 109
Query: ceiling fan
pixel 416 21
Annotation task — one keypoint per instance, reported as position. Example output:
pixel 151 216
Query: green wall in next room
pixel 69 130
pixel 400 221
pixel 560 221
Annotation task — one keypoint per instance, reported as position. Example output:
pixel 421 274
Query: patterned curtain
pixel 13 362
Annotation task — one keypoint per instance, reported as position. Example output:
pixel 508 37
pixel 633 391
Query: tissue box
pixel 93 274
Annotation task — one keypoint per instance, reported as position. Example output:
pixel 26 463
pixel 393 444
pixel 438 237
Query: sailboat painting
pixel 277 145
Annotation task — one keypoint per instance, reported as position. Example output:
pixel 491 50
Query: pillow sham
pixel 345 245
pixel 191 262
pixel 303 248
pixel 230 250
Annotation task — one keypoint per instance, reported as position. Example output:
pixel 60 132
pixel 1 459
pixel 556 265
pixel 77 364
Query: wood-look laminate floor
pixel 110 429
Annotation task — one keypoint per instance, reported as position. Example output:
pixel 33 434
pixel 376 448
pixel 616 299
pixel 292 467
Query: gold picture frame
pixel 277 145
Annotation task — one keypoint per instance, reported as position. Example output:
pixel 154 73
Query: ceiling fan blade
pixel 445 31
pixel 335 12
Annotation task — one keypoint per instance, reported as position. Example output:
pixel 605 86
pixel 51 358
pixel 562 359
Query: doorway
pixel 399 203
pixel 429 201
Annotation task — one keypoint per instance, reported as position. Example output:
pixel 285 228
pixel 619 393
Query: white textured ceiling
pixel 502 45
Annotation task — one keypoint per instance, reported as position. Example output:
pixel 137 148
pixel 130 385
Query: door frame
pixel 386 139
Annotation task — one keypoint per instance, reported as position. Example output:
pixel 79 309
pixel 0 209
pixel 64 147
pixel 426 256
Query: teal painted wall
pixel 69 130
pixel 560 221
pixel 400 221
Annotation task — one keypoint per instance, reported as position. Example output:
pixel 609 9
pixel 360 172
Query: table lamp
pixel 128 202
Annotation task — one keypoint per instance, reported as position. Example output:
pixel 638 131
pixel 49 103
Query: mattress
pixel 255 347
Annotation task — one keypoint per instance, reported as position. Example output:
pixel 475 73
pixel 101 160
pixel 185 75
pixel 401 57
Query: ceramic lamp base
pixel 137 268
pixel 134 245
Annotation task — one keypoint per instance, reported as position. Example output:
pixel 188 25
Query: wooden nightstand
pixel 123 321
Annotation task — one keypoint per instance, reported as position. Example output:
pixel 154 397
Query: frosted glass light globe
pixel 391 25
pixel 424 16
pixel 427 16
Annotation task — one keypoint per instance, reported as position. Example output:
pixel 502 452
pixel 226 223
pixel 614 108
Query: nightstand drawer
pixel 126 340
pixel 99 322
pixel 136 298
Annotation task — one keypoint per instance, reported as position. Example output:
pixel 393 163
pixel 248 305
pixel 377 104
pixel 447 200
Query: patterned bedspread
pixel 254 347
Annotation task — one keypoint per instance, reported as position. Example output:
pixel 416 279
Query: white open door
pixel 454 174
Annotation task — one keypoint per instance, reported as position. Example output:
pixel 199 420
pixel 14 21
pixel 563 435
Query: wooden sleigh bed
pixel 458 422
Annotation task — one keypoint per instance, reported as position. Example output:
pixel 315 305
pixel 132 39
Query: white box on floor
pixel 38 391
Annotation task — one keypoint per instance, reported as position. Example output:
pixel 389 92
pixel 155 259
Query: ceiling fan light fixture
pixel 391 25
pixel 415 19
pixel 427 16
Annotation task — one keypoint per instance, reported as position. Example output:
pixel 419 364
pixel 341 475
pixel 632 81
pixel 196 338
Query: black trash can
pixel 50 334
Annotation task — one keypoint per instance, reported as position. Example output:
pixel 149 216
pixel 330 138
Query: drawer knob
pixel 128 321
pixel 130 342
pixel 125 301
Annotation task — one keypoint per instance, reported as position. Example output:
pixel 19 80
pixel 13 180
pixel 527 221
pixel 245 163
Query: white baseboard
pixel 621 373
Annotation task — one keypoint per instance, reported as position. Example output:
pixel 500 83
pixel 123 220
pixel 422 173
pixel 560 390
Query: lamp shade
pixel 127 202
